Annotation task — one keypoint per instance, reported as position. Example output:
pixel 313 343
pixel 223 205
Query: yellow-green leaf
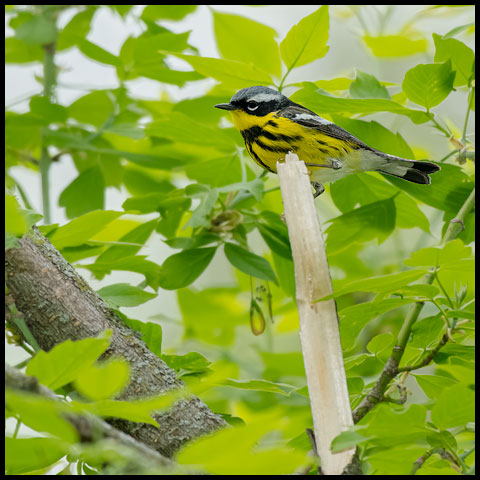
pixel 388 46
pixel 307 40
pixel 103 381
pixel 238 38
pixel 231 73
pixel 429 84
pixel 64 362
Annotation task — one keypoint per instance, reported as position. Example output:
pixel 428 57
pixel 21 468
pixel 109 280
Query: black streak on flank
pixel 257 158
pixel 272 148
pixel 250 134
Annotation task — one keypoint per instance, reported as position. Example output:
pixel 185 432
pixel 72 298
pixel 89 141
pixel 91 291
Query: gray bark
pixel 57 304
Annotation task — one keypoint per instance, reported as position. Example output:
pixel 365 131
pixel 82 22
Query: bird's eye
pixel 252 105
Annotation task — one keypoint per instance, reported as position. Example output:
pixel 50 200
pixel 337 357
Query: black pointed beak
pixel 226 106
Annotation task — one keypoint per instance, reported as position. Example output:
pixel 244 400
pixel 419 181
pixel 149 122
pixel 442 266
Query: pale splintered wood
pixel 322 352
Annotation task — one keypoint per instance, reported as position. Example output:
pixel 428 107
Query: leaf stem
pixel 465 123
pixel 442 288
pixel 438 126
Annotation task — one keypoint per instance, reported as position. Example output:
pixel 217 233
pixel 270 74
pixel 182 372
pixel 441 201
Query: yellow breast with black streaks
pixel 269 138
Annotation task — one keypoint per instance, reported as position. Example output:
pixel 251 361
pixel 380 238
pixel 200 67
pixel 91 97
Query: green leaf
pixel 285 274
pixel 255 187
pixel 367 86
pixel 231 73
pixel 201 215
pixel 24 455
pixel 255 461
pixel 64 362
pixel 260 386
pixel 151 334
pixel 103 380
pixel 152 13
pixel 429 84
pixel 94 52
pixel 433 385
pixel 374 220
pixel 354 318
pixel 84 194
pixel 381 284
pixel 457 30
pixel 181 269
pixel 136 264
pixel 346 440
pixel 363 188
pixel 137 235
pixel 312 97
pixel 461 56
pixel 449 189
pixel 391 46
pixel 196 308
pixel 307 40
pixel 454 407
pixel 38 30
pixel 249 262
pixel 443 439
pixel 133 410
pixel 15 223
pixel 145 48
pixel 52 419
pixel 402 427
pixel 81 229
pixel 18 51
pixel 163 74
pixel 180 128
pixel 76 29
pixel 50 112
pixel 191 362
pixel 277 240
pixel 216 172
pixel 283 364
pixel 93 108
pixel 380 342
pixel 426 332
pixel 238 39
pixel 125 295
pixel 375 135
pixel 200 240
pixel 452 253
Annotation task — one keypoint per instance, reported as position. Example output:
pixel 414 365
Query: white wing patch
pixel 311 118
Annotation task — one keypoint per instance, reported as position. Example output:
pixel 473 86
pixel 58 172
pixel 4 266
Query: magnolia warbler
pixel 272 125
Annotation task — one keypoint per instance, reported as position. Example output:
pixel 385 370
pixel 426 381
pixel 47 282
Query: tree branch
pixel 91 428
pixel 428 358
pixel 391 368
pixel 57 304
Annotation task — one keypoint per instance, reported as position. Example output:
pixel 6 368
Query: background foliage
pixel 189 185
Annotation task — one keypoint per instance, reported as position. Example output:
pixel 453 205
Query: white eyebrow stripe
pixel 264 97
pixel 312 118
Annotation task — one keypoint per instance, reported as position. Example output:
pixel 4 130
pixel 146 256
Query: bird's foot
pixel 319 189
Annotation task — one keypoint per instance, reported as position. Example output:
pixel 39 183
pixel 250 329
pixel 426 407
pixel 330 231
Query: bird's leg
pixel 319 189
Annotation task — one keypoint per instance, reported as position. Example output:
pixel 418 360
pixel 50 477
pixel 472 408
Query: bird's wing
pixel 309 119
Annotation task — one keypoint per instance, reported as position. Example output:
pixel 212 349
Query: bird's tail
pixel 411 170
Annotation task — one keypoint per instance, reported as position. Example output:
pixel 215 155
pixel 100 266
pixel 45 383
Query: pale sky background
pixel 79 74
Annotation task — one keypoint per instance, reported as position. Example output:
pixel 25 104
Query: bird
pixel 273 125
